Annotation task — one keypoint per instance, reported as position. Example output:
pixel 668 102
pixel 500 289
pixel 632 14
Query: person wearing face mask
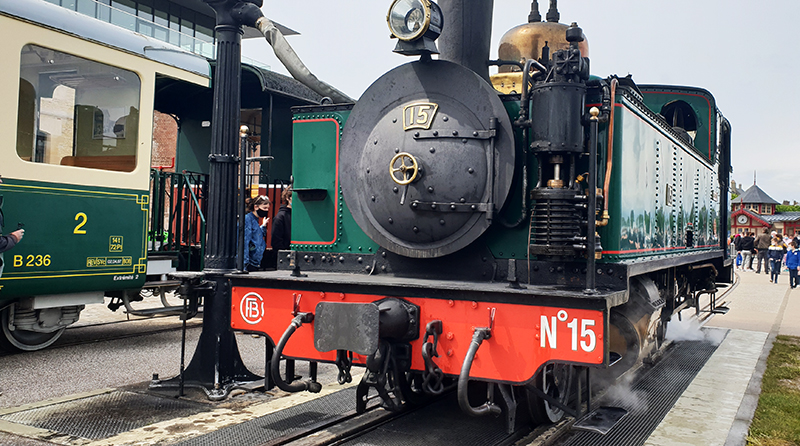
pixel 255 233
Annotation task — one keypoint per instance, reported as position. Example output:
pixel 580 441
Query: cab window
pixel 76 112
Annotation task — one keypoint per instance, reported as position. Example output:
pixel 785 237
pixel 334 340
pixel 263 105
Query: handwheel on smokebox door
pixel 405 170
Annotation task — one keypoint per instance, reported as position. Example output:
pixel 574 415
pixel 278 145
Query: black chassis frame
pixel 482 267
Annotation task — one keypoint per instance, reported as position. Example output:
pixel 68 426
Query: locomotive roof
pixel 89 28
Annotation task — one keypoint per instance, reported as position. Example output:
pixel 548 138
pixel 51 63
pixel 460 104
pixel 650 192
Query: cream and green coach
pixel 76 135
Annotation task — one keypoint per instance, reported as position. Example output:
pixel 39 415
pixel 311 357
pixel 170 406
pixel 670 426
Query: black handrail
pixel 177 215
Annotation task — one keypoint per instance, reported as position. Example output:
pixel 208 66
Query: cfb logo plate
pixel 251 308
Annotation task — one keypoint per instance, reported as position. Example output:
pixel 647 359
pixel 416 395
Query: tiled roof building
pixel 754 210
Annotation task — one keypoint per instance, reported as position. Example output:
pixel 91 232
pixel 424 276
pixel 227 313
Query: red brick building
pixel 754 210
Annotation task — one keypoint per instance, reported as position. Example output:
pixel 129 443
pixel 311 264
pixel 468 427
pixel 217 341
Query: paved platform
pixel 719 404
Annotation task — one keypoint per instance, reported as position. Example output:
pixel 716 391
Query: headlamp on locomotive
pixel 416 24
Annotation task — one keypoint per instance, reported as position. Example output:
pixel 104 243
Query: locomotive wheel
pixel 24 340
pixel 624 340
pixel 554 380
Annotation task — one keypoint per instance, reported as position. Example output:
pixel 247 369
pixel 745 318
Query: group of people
pixel 256 255
pixel 773 249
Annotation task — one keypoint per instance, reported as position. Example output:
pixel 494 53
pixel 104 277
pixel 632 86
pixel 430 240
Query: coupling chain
pixel 432 376
pixel 344 361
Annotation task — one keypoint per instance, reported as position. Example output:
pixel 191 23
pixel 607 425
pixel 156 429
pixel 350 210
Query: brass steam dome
pixel 525 42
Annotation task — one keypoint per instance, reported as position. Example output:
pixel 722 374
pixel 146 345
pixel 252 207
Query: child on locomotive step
pixel 775 256
pixel 793 263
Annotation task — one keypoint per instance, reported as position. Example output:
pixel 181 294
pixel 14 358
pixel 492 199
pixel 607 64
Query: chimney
pixel 466 34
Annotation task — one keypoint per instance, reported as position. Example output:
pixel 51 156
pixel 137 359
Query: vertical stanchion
pixel 216 365
pixel 591 227
pixel 242 186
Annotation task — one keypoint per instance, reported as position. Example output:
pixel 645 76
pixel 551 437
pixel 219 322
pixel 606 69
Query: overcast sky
pixel 744 53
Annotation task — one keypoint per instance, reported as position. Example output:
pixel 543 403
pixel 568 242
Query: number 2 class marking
pixel 82 218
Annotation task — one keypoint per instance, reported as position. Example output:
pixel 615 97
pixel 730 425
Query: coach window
pixel 76 112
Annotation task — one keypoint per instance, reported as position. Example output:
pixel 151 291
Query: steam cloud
pixel 689 329
pixel 622 395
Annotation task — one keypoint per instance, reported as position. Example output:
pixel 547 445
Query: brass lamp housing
pixel 416 34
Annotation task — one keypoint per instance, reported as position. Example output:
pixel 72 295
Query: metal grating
pixel 441 423
pixel 105 415
pixel 650 399
pixel 282 423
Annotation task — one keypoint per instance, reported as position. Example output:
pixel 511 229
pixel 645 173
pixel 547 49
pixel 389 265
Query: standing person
pixel 784 242
pixel 747 245
pixel 7 241
pixel 282 227
pixel 737 247
pixel 775 256
pixel 793 263
pixel 255 242
pixel 762 248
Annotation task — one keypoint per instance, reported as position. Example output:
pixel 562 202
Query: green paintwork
pixel 646 161
pixel 280 168
pixel 701 102
pixel 90 261
pixel 512 243
pixel 325 225
pixel 640 224
pixel 193 147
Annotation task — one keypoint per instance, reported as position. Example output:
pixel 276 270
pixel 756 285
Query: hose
pixel 311 386
pixel 463 378
pixel 290 60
